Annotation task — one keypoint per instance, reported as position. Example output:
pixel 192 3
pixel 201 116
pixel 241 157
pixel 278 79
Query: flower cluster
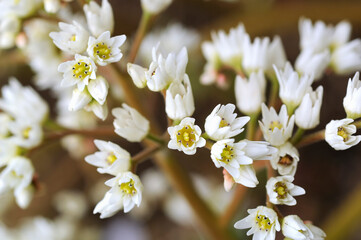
pixel 90 49
pixel 23 114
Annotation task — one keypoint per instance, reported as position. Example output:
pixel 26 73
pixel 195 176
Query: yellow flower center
pixel 81 70
pixel 264 223
pixel 343 133
pixel 286 160
pixel 227 154
pixel 73 38
pixel 275 124
pixel 26 132
pixel 281 190
pixel 102 51
pixel 186 136
pixel 223 123
pixel 128 187
pixel 111 159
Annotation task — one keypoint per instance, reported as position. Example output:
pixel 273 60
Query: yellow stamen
pixel 275 124
pixel 281 190
pixel 26 132
pixel 286 160
pixel 227 154
pixel 263 222
pixel 128 187
pixel 186 136
pixel 73 38
pixel 102 50
pixel 81 70
pixel 223 123
pixel 111 159
pixel 343 133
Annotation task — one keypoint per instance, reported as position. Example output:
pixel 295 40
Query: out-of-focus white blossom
pixel 9 28
pixel 20 8
pixel 318 233
pixel 186 136
pixel 286 159
pixel 71 204
pixel 263 222
pixel 292 87
pixel 347 58
pixel 104 49
pixel 311 63
pixel 339 134
pixel 307 115
pixel 25 133
pixel 100 19
pixel 179 102
pixel 23 102
pixel 130 124
pixel 250 94
pixel 168 38
pixel 125 193
pixel 52 6
pixel 72 38
pixel 155 6
pixel 351 102
pixel 281 190
pixel 111 158
pixel 78 72
pixel 18 176
pixel 276 128
pixel 223 122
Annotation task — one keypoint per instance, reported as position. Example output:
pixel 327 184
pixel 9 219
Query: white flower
pixel 307 115
pixel 168 37
pixel 223 122
pixel 130 124
pixel 78 72
pixel 72 38
pixel 255 54
pixel 155 6
pixel 317 232
pixel 25 133
pixel 281 190
pixel 162 71
pixel 104 49
pixel 52 6
pixel 9 28
pixel 186 136
pixel 209 74
pixel 293 227
pixel 263 222
pixel 311 63
pixel 18 176
pixel 346 59
pixel 23 102
pixel 276 55
pixel 341 34
pixel 339 134
pixel 292 86
pixel 100 19
pixel 137 73
pixel 229 47
pixel 8 151
pixel 79 99
pixel 315 37
pixel 277 129
pixel 250 94
pixel 111 158
pixel 101 111
pixel 286 159
pixel 98 89
pixel 21 8
pixel 126 192
pixel 232 157
pixel 179 102
pixel 351 102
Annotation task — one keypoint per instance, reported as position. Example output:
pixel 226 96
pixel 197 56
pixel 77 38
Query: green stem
pixel 142 29
pixel 274 92
pixel 155 138
pixel 182 182
pixel 298 136
pixel 251 126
